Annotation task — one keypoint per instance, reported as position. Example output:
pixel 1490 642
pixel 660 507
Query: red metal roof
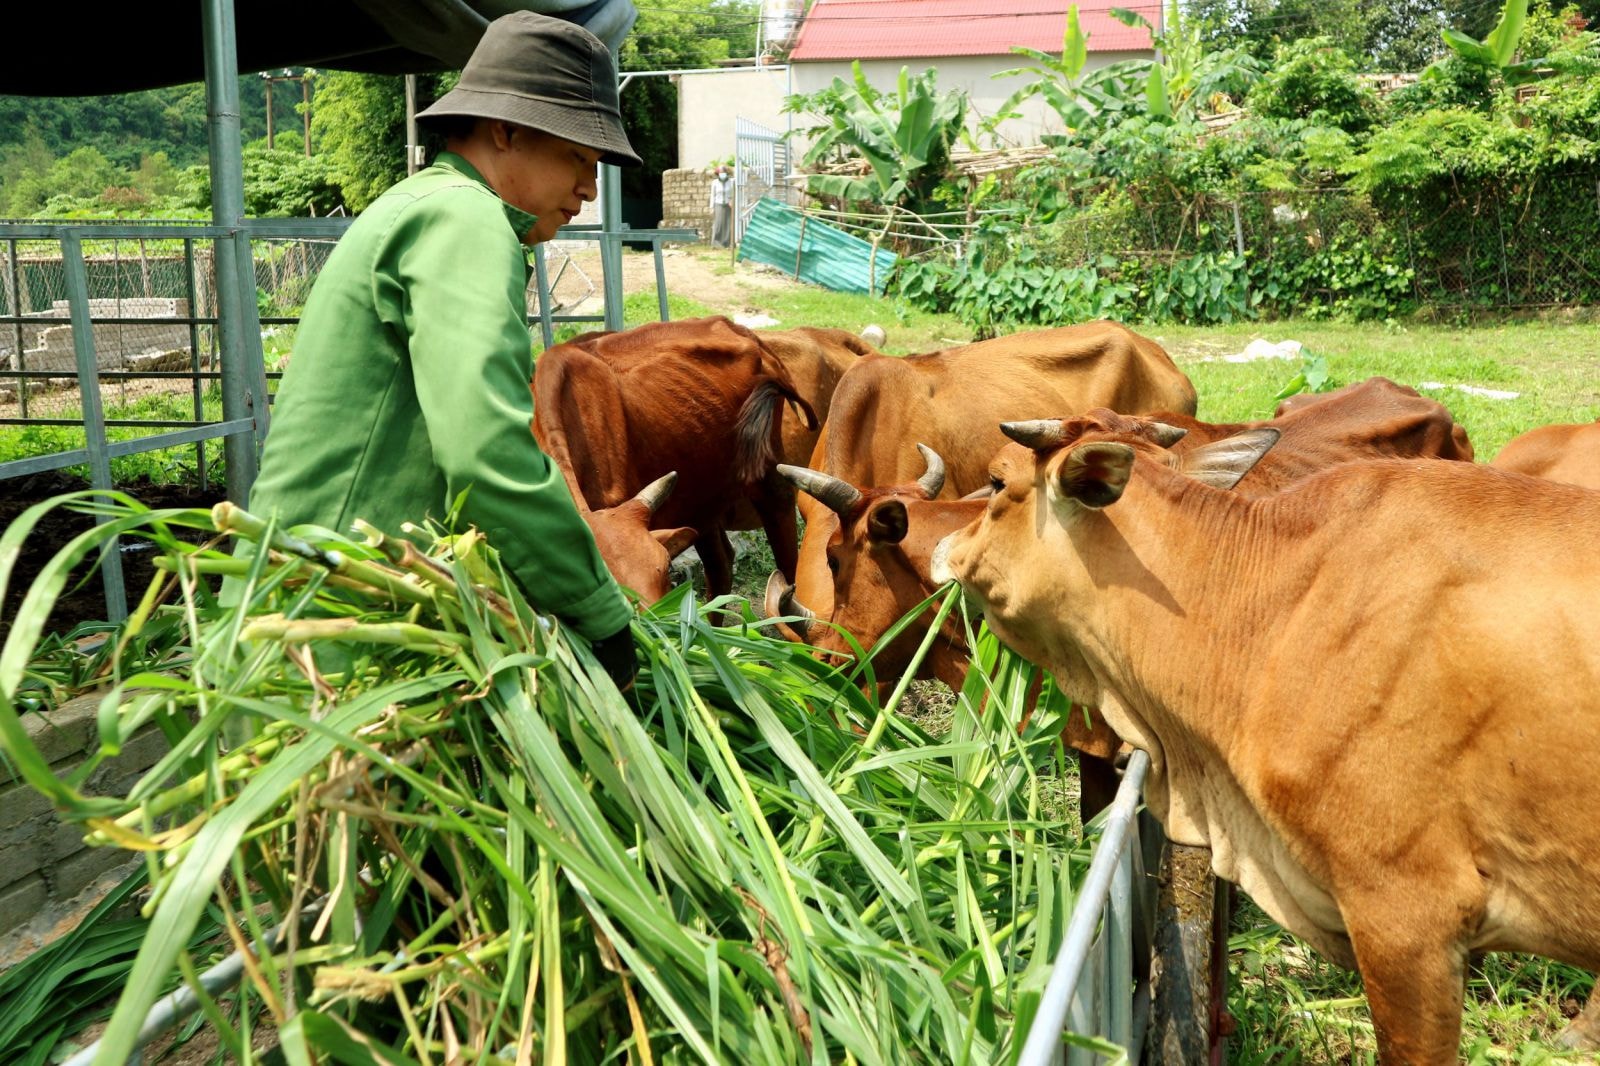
pixel 926 29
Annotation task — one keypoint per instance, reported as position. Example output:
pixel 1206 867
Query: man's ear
pixel 1224 462
pixel 1095 474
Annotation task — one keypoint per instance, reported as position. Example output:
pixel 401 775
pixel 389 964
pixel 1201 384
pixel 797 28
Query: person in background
pixel 409 383
pixel 721 207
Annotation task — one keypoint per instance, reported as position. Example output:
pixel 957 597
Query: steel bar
pixel 1044 1037
pixel 1119 939
pixel 661 279
pixel 172 1008
pixel 611 244
pixel 235 269
pixel 94 424
pixel 542 276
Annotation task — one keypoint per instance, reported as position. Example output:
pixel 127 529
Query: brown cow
pixel 1375 696
pixel 880 550
pixel 1569 454
pixel 704 398
pixel 816 358
pixel 951 401
pixel 881 539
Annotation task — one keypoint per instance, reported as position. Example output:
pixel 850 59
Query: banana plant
pixel 904 138
pixel 1188 76
pixel 1077 95
pixel 1497 51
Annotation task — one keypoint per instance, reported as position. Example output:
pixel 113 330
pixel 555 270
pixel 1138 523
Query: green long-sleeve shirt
pixel 409 383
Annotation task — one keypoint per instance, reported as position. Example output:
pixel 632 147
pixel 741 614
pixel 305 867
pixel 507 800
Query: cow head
pixel 1052 537
pixel 640 557
pixel 876 546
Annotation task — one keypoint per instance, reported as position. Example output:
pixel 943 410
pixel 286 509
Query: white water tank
pixel 779 21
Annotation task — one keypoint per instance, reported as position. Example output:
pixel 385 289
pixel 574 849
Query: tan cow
pixel 953 400
pixel 1375 696
pixel 881 539
pixel 1566 453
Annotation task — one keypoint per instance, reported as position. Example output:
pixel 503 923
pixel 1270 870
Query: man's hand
pixel 617 655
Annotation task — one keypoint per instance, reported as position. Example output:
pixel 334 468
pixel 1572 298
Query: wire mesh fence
pixel 1490 246
pixel 152 308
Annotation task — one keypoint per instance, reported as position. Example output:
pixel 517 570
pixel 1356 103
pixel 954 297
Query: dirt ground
pixel 83 599
pixel 692 273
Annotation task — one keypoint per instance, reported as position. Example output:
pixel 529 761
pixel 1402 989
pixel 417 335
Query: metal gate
pixel 760 168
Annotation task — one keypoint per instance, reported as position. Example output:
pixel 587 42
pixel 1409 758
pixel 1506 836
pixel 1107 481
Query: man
pixel 721 207
pixel 409 383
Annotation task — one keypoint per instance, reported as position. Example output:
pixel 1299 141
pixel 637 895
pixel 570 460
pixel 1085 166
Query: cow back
pixel 1565 453
pixel 1372 419
pixel 954 400
pixel 702 397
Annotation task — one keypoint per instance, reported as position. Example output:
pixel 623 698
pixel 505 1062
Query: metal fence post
pixel 94 421
pixel 611 244
pixel 16 309
pixel 244 391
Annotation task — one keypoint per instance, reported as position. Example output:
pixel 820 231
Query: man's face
pixel 544 175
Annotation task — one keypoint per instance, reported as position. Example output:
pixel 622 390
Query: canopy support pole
pixel 244 376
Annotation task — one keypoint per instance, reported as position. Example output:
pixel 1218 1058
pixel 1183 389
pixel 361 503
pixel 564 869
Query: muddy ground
pixel 83 600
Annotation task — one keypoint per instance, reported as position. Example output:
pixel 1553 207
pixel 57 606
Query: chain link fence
pixel 152 308
pixel 1501 246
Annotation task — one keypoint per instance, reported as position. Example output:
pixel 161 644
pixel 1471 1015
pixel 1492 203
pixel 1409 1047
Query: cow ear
pixel 887 523
pixel 676 541
pixel 1095 474
pixel 1223 463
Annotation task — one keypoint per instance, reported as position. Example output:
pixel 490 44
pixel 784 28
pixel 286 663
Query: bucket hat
pixel 546 74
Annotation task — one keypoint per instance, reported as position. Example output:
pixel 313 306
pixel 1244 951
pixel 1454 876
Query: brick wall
pixel 686 200
pixel 46 862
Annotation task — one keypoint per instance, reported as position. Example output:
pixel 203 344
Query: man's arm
pixel 460 277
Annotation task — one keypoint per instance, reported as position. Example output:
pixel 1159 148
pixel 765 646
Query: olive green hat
pixel 546 74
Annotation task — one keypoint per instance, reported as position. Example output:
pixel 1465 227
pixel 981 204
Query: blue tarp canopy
pixel 114 48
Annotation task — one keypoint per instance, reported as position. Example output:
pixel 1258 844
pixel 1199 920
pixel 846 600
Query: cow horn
pixel 1167 435
pixel 839 496
pixel 788 605
pixel 655 494
pixel 1038 434
pixel 932 479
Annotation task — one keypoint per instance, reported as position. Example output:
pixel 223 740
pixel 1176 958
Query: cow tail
pixel 759 425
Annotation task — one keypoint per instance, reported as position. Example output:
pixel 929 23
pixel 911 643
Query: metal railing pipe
pixel 1044 1037
pixel 94 420
pixel 244 388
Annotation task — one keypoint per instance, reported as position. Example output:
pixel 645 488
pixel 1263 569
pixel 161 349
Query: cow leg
pixel 1583 1032
pixel 775 503
pixel 1415 974
pixel 1097 784
pixel 716 555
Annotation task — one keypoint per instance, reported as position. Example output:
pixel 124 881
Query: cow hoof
pixel 1583 1032
pixel 874 335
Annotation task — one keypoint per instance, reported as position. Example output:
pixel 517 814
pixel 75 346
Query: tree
pixel 689 35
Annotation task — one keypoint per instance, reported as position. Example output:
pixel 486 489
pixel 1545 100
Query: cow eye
pixel 833 565
pixel 996 485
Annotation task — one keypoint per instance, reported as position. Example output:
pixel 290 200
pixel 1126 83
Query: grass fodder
pixel 474 848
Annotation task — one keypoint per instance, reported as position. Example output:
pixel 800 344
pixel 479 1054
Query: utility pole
pixel 304 78
pixel 411 124
pixel 268 78
pixel 305 111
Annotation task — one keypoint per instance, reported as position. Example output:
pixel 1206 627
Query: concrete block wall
pixel 686 200
pixel 47 865
pixel 49 347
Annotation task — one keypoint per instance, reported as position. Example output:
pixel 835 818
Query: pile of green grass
pixel 478 847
